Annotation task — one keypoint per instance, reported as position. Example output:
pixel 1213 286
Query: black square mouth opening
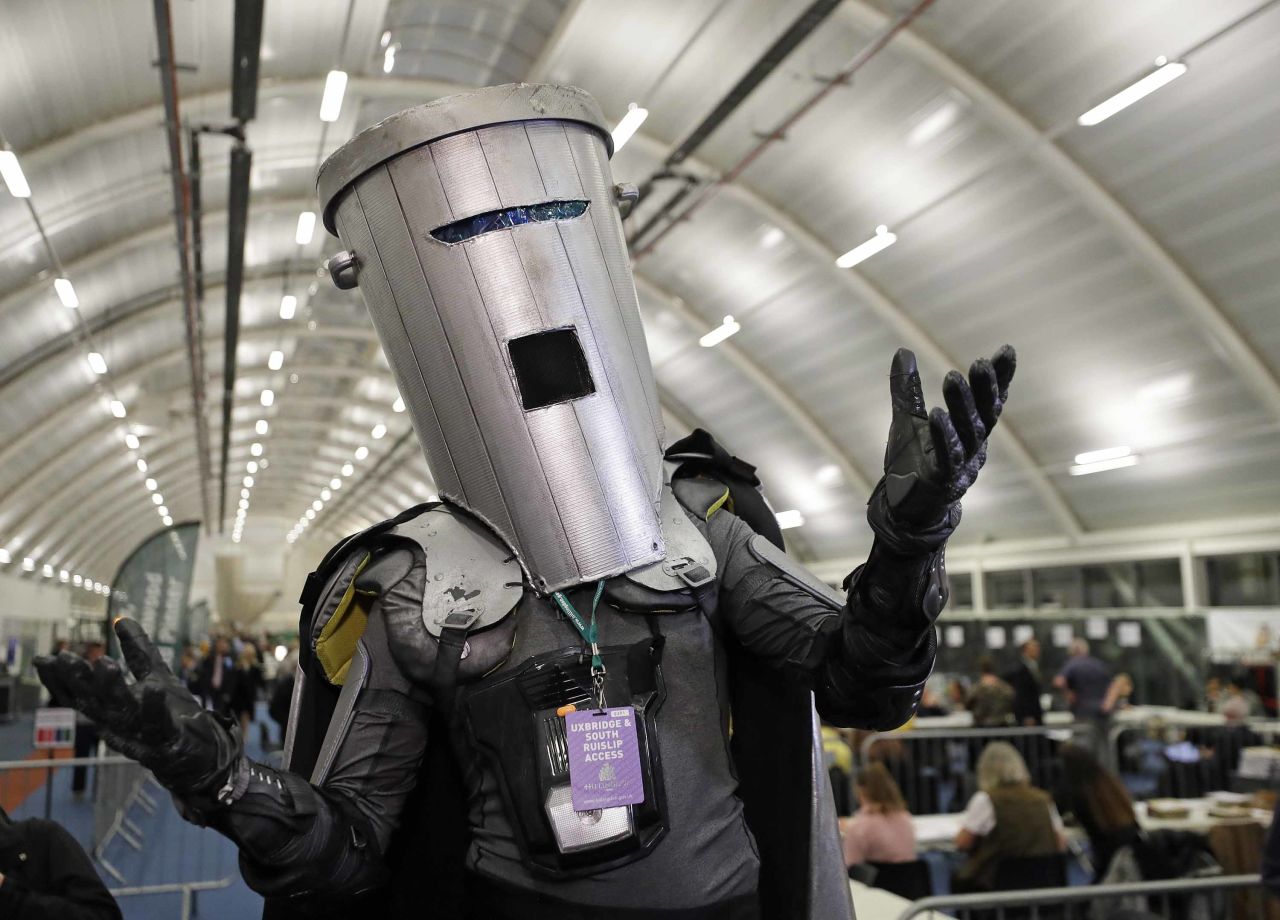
pixel 550 368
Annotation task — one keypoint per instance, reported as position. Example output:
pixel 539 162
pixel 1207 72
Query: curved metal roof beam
pixel 1200 307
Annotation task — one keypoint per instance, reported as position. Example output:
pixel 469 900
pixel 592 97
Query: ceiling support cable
pixel 192 317
pixel 874 47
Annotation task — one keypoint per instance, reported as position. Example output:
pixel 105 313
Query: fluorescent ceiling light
pixel 11 171
pixel 362 452
pixel 64 575
pixel 157 498
pixel 5 558
pixel 1084 469
pixel 251 467
pixel 46 570
pixel 629 125
pixel 163 511
pixel 66 292
pixel 720 333
pixel 97 363
pixel 389 58
pixel 267 397
pixel 325 495
pixel 311 514
pixel 142 465
pixel 117 408
pixel 306 228
pixel 1107 453
pixel 244 504
pixel 248 482
pixel 386 39
pixel 255 449
pixel 288 306
pixel 933 124
pixel 151 484
pixel 829 475
pixel 378 431
pixel 76 579
pixel 317 505
pixel 261 426
pixel 860 253
pixel 168 521
pixel 131 441
pixel 335 483
pixel 276 360
pixel 398 405
pixel 244 493
pixel 788 519
pixel 331 103
pixel 347 469
pixel 28 564
pixel 772 237
pixel 1165 390
pixel 1166 72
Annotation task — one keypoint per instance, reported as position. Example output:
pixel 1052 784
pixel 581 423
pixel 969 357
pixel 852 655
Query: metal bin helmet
pixel 483 231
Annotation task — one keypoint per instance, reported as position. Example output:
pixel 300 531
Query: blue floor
pixel 172 850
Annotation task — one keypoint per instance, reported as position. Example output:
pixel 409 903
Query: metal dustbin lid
pixel 454 114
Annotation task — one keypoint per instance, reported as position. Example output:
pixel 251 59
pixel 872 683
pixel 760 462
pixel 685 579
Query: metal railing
pixel 935 767
pixel 1240 897
pixel 188 891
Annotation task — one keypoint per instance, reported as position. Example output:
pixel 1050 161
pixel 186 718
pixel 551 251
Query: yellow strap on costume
pixel 720 502
pixel 337 643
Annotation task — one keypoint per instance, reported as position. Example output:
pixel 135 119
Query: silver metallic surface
pixel 684 541
pixel 582 830
pixel 463 112
pixel 295 706
pixel 572 487
pixel 468 570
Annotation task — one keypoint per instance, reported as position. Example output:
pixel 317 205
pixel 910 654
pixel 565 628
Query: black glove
pixel 933 458
pixel 156 721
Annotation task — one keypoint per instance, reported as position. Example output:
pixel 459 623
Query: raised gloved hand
pixel 156 721
pixel 933 458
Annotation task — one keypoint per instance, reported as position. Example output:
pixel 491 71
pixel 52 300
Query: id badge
pixel 604 758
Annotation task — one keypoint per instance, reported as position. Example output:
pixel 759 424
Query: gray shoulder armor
pixel 469 571
pixel 687 549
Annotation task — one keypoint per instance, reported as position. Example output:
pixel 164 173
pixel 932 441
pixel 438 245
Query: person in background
pixel 991 699
pixel 1100 804
pixel 957 695
pixel 217 674
pixel 1024 678
pixel 881 831
pixel 86 732
pixel 188 669
pixel 1237 689
pixel 46 875
pixel 245 686
pixel 1085 680
pixel 1212 694
pixel 1007 817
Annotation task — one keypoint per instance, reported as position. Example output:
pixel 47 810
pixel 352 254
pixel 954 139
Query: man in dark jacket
pixel 45 874
pixel 1024 678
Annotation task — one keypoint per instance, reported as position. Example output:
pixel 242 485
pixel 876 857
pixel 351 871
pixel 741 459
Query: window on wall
pixel 1113 584
pixel 1244 580
pixel 1058 588
pixel 1006 589
pixel 1159 583
pixel 961 590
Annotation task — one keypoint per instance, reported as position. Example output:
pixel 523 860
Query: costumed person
pixel 515 702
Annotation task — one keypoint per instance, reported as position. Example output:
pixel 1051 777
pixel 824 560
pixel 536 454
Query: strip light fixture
pixel 863 251
pixel 335 86
pixel 789 519
pixel 1099 461
pixel 11 172
pixel 1165 73
pixel 66 292
pixel 629 125
pixel 717 335
pixel 306 228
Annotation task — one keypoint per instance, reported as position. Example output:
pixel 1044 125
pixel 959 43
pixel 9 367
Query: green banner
pixel 153 586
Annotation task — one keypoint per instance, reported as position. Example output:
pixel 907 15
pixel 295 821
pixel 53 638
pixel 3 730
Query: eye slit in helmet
pixel 550 368
pixel 506 218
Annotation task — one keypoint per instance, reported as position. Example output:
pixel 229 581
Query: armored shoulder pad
pixel 473 580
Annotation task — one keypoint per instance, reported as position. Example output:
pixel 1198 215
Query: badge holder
pixel 523 725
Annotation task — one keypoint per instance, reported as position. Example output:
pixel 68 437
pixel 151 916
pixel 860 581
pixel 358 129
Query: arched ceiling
pixel 1131 263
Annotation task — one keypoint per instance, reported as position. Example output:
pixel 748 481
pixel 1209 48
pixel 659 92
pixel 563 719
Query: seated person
pixel 1099 802
pixel 881 831
pixel 45 874
pixel 1007 817
pixel 991 699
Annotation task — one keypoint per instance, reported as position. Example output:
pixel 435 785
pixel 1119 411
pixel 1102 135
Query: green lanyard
pixel 590 634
